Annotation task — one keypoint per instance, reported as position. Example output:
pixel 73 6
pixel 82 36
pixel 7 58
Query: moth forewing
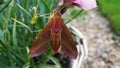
pixel 68 45
pixel 40 45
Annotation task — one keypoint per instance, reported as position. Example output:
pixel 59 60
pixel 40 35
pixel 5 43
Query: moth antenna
pixel 45 15
pixel 36 30
pixel 48 15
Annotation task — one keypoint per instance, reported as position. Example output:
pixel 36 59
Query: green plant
pixel 111 9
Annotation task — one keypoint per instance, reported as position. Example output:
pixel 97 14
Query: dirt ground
pixel 103 44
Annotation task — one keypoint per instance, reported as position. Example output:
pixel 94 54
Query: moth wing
pixel 55 41
pixel 40 45
pixel 68 45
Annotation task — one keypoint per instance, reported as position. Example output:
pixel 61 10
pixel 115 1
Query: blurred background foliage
pixel 17 33
pixel 111 10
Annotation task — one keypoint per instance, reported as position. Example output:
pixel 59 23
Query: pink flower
pixel 83 4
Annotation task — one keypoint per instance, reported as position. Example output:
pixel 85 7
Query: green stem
pixel 77 14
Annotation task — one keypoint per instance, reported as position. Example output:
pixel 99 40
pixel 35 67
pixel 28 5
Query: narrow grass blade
pixel 7 15
pixel 22 24
pixel 24 10
pixel 14 34
pixel 47 66
pixel 45 4
pixel 5 6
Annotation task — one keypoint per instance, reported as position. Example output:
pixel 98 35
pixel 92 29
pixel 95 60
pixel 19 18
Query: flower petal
pixel 85 4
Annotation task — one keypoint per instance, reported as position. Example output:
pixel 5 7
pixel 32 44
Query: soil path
pixel 103 44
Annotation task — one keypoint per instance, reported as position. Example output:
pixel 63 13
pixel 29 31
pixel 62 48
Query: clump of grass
pixel 111 9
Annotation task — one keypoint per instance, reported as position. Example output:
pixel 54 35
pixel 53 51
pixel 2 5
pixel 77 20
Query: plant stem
pixel 77 14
